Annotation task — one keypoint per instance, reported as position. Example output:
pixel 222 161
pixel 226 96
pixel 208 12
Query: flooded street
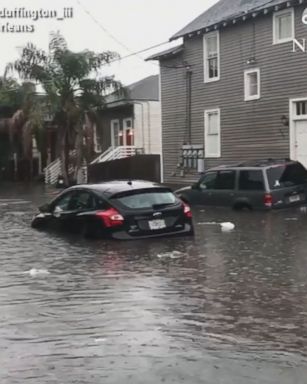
pixel 219 308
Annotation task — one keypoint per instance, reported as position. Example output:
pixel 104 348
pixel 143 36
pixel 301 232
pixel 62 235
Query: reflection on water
pixel 222 308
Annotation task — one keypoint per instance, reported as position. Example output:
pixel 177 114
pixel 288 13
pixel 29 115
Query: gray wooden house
pixel 235 88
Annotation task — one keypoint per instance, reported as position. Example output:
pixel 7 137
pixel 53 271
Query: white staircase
pixel 115 153
pixel 54 169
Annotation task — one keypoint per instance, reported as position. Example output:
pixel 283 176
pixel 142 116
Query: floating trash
pixel 227 227
pixel 170 255
pixel 37 272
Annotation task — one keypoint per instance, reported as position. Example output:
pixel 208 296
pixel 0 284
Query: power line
pixel 138 52
pixel 131 54
pixel 104 28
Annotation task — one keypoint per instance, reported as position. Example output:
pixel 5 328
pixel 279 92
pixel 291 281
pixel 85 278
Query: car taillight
pixel 268 200
pixel 187 210
pixel 111 218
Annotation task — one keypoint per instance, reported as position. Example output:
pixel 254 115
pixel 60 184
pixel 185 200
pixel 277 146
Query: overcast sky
pixel 136 24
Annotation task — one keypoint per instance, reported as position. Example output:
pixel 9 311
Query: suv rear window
pixel 251 181
pixel 286 176
pixel 147 199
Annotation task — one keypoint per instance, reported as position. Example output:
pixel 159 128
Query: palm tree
pixel 74 89
pixel 26 121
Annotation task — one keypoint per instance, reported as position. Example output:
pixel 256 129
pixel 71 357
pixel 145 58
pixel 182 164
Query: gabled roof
pixel 225 10
pixel 144 90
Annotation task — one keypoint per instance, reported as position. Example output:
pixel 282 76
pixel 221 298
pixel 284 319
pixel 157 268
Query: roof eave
pixel 170 53
pixel 244 16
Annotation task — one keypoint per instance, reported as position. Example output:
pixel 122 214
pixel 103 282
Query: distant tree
pixel 74 90
pixel 21 118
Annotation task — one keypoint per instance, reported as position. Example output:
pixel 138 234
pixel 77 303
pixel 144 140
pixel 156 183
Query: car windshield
pixel 286 176
pixel 146 199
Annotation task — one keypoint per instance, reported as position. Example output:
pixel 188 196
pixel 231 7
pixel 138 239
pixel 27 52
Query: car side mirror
pixel 45 208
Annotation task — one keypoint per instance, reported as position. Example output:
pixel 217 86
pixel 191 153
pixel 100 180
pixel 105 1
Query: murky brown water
pixel 222 308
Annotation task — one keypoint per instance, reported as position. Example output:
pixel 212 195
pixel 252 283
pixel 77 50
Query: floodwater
pixel 221 308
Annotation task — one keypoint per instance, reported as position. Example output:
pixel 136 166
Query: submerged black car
pixel 117 209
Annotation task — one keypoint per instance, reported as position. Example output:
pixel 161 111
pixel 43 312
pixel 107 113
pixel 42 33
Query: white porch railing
pixel 115 153
pixel 54 169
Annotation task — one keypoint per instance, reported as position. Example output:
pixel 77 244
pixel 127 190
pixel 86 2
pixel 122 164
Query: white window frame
pixel 207 79
pixel 276 15
pixel 247 72
pixel 97 146
pixel 113 122
pixel 209 155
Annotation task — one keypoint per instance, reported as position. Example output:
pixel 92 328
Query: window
pixel 63 202
pixel 97 146
pixel 208 181
pixel 283 26
pixel 82 200
pixel 226 180
pixel 286 176
pixel 212 56
pixel 144 200
pixel 301 108
pixel 212 133
pixel 252 84
pixel 251 181
pixel 115 133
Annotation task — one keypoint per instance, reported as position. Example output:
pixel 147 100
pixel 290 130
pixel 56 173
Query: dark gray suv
pixel 261 184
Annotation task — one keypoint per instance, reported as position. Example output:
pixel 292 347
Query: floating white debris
pixel 227 227
pixel 100 340
pixel 37 272
pixel 170 255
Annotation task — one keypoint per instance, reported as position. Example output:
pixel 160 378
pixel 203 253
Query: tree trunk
pixel 64 158
pixel 79 151
pixel 89 129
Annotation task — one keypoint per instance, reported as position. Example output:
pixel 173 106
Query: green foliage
pixel 73 85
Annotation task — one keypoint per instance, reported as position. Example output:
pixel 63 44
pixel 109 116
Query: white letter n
pixel 301 46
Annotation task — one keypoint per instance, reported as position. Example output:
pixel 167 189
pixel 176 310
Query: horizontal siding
pixel 250 129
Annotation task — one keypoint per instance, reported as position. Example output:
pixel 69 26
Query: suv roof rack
pixel 262 162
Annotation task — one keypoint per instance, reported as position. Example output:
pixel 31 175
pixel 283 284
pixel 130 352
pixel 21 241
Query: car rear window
pixel 251 181
pixel 287 175
pixel 146 199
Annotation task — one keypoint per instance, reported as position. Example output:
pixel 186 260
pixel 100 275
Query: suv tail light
pixel 268 200
pixel 111 218
pixel 187 210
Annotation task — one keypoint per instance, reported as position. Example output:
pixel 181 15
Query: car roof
pixel 255 164
pixel 117 186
